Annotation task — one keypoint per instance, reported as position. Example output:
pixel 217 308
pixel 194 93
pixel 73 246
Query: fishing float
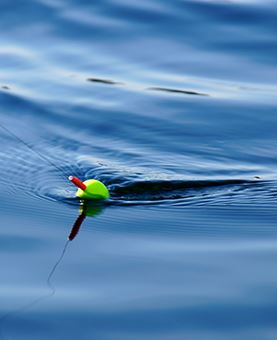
pixel 90 189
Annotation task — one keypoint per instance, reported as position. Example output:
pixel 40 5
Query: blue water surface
pixel 172 105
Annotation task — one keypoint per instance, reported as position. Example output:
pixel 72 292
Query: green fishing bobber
pixel 95 190
pixel 90 189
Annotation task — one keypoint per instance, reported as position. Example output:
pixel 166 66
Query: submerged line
pixel 39 299
pixel 55 267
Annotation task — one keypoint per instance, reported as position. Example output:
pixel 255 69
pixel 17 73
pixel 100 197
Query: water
pixel 172 105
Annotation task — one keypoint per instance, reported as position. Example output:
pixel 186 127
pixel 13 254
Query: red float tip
pixel 76 181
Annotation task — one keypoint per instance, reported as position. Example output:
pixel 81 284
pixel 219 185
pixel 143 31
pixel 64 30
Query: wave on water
pixel 127 185
pixel 125 192
pixel 153 88
pixel 152 191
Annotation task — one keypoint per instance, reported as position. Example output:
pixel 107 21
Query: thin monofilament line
pixel 49 284
pixel 31 304
pixel 30 147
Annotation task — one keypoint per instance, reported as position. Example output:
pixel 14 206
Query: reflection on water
pixel 177 91
pixel 86 209
pixel 103 81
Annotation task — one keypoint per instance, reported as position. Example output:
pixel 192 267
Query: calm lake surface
pixel 172 104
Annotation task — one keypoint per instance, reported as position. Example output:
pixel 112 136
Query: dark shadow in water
pixel 165 189
pixel 85 210
pixel 164 89
pixel 104 81
pixel 161 89
pixel 169 193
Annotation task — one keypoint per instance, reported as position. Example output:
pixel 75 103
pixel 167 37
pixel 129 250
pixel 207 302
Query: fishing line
pixel 91 189
pixel 55 267
pixel 30 147
pixel 37 300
